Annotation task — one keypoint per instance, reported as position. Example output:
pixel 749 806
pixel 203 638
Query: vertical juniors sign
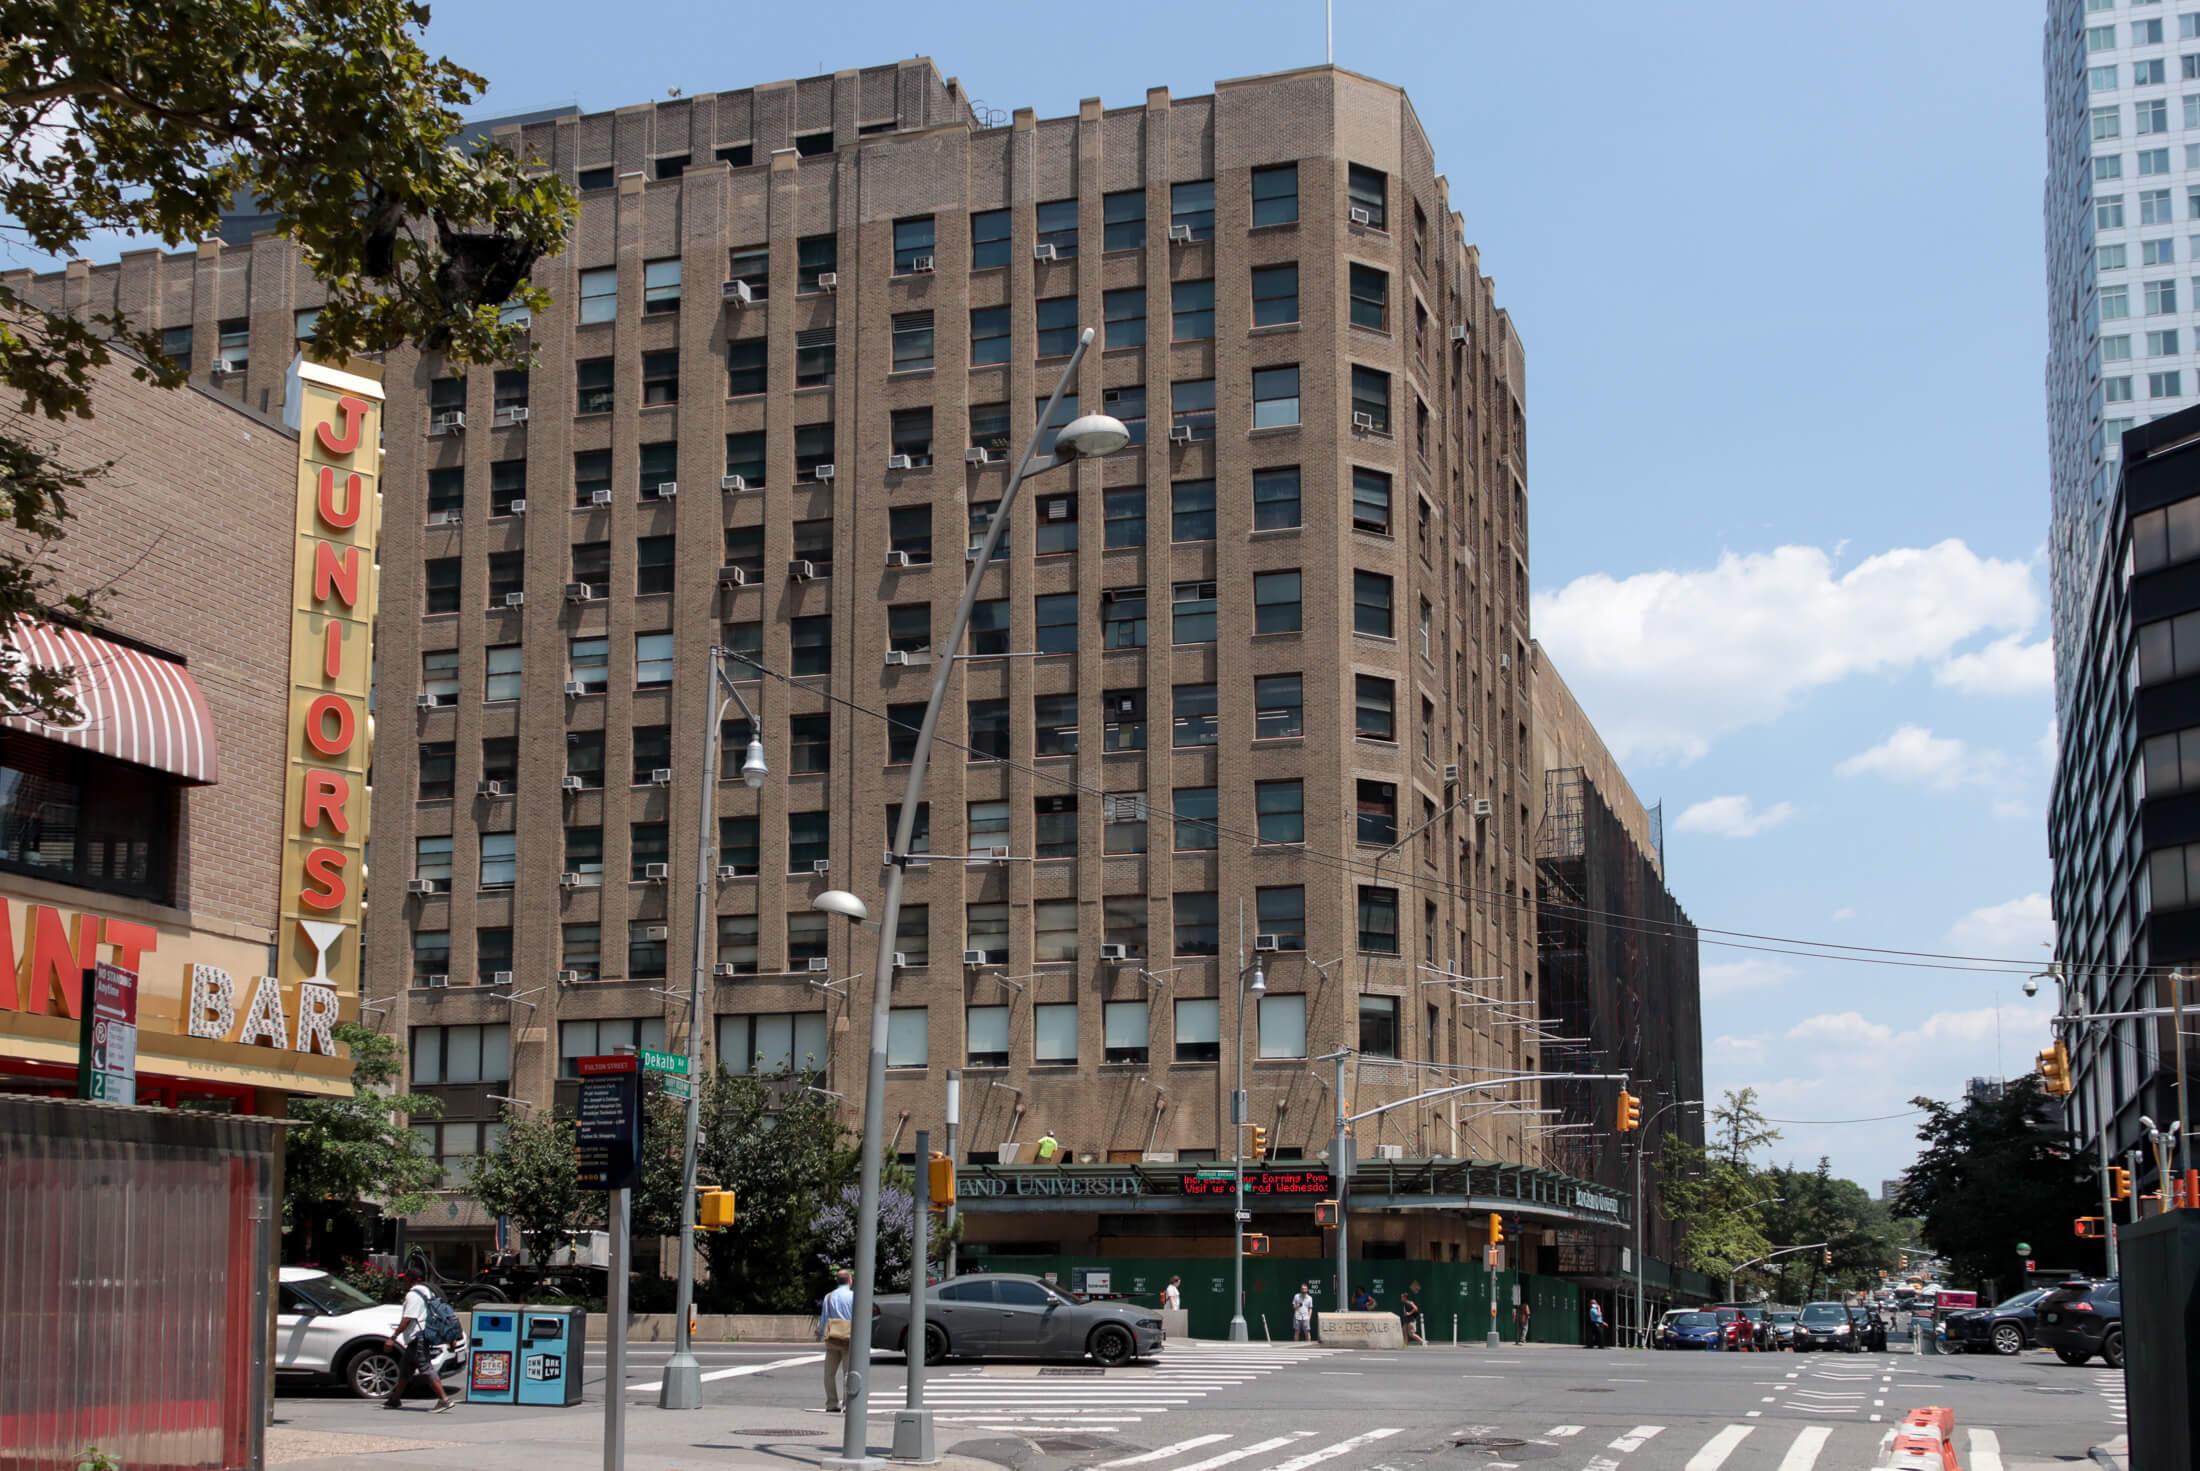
pixel 330 737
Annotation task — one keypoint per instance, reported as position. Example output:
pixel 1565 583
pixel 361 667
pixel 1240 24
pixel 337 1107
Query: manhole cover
pixel 1489 1443
pixel 1589 1389
pixel 1071 1371
pixel 1959 1376
pixel 2054 1389
pixel 777 1432
pixel 1055 1445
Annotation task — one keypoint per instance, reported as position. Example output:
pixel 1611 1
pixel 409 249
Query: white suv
pixel 326 1329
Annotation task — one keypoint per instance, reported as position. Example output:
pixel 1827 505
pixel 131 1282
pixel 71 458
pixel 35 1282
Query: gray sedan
pixel 1007 1316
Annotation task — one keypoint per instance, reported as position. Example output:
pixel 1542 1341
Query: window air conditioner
pixel 516 508
pixel 419 886
pixel 1451 776
pixel 1459 334
pixel 1115 952
pixel 1180 234
pixel 578 592
pixel 492 789
pixel 976 456
pixel 221 365
pixel 1181 434
pixel 424 702
pixel 1000 854
pixel 500 978
pixel 921 264
pixel 973 957
pixel 901 960
pixel 819 963
pixel 447 423
pixel 660 776
pixel 1364 421
pixel 1504 661
pixel 443 518
pixel 735 293
pixel 897 658
pixel 569 881
pixel 821 865
pixel 1390 1151
pixel 897 559
pixel 516 414
pixel 599 497
pixel 1265 942
pixel 575 687
pixel 732 482
pixel 569 977
pixel 899 462
pixel 667 489
pixel 1044 252
pixel 970 553
pixel 657 932
pixel 823 472
pixel 437 982
pixel 515 600
pixel 656 873
pixel 570 784
pixel 727 871
pixel 801 570
pixel 1483 807
pixel 722 969
pixel 733 577
pixel 828 280
pixel 1361 216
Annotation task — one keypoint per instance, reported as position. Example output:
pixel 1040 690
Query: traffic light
pixel 2119 1183
pixel 2090 1227
pixel 1325 1214
pixel 1260 1141
pixel 1497 1229
pixel 1829 1256
pixel 1256 1244
pixel 1904 1261
pixel 2055 1069
pixel 1630 1112
pixel 941 1180
pixel 714 1210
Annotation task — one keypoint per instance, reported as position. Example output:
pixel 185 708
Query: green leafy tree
pixel 1714 1191
pixel 1995 1172
pixel 1817 1205
pixel 1738 1128
pixel 146 119
pixel 340 1151
pixel 533 1177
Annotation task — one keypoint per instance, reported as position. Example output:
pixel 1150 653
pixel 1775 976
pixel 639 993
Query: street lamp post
pixel 1088 436
pixel 1238 1121
pixel 1640 1142
pixel 682 1385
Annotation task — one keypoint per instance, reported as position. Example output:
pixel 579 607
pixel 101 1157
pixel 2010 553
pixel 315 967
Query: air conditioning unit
pixel 735 293
pixel 513 415
pixel 727 871
pixel 516 508
pixel 656 873
pixel 569 977
pixel 1127 705
pixel 921 264
pixel 599 497
pixel 1483 807
pixel 732 482
pixel 973 957
pixel 1451 776
pixel 1181 434
pixel 897 659
pixel 976 456
pixel 1180 234
pixel 447 423
pixel 660 776
pixel 722 969
pixel 424 702
pixel 1389 1151
pixel 575 687
pixel 222 365
pixel 570 784
pixel 1361 216
pixel 444 518
pixel 657 932
pixel 1115 952
pixel 821 865
pixel 1504 661
pixel 1459 334
pixel 1364 422
pixel 569 881
pixel 500 978
pixel 1044 252
pixel 828 280
pixel 1000 853
pixel 901 960
pixel 897 559
pixel 819 964
pixel 970 553
pixel 419 886
pixel 1267 942
pixel 733 577
pixel 822 472
pixel 492 789
pixel 579 592
pixel 802 570
pixel 438 982
pixel 515 600
pixel 667 489
pixel 900 462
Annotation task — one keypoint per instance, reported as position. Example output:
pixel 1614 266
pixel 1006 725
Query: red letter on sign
pixel 355 497
pixel 317 715
pixel 131 941
pixel 332 574
pixel 354 412
pixel 325 795
pixel 59 958
pixel 324 866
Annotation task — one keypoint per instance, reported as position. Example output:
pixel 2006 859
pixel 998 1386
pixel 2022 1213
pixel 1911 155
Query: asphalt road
pixel 1220 1407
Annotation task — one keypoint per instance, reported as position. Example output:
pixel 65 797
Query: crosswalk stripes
pixel 1718 1448
pixel 1985 1451
pixel 1803 1453
pixel 1011 1399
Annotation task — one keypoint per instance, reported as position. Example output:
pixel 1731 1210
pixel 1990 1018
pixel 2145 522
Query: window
pixel 1123 618
pixel 1123 220
pixel 816 353
pixel 815 256
pixel 1282 1020
pixel 916 919
pixel 1198 924
pixel 812 644
pixel 1192 407
pixel 1056 618
pixel 989 627
pixel 652 752
pixel 653 564
pixel 1125 514
pixel 745 365
pixel 985 926
pixel 1192 207
pixel 2166 537
pixel 2152 72
pixel 1278 707
pixel 1192 513
pixel 439 676
pixel 2115 303
pixel 584 757
pixel 809 840
pixel 1371 604
pixel 2169 649
pixel 1054 936
pixel 659 466
pixel 1275 397
pixel 2146 32
pixel 594 380
pixel 2150 117
pixel 1192 613
pixel 499 860
pixel 1057 534
pixel 660 380
pixel 990 239
pixel 1125 1027
pixel 507 486
pixel 1370 501
pixel 2172 763
pixel 775 1043
pixel 2164 385
pixel 1057 223
pixel 581 950
pixel 1195 812
pixel 584 851
pixel 2116 390
pixel 2111 257
pixel 989 726
pixel 588 664
pixel 2108 212
pixel 808 938
pixel 648 847
pixel 745 458
pixel 1125 314
pixel 1198 1027
pixel 810 145
pixel 1276 498
pixel 1276 194
pixel 175 345
pixel 2108 166
pixel 737 943
pixel 1192 310
pixel 810 744
pixel 1282 913
pixel 1370 400
pixel 1377 805
pixel 660 287
pixel 737 845
pixel 986 1043
pixel 909 531
pixel 752 266
pixel 2156 207
pixel 1373 708
pixel 745 549
pixel 1124 921
pixel 813 543
pixel 480 1054
pixel 503 673
pixel 2161 297
pixel 2157 252
pixel 1280 807
pixel 1064 412
pixel 1276 607
pixel 2162 344
pixel 1054 721
pixel 2153 161
pixel 447 491
pixel 913 343
pixel 1379 1026
pixel 600 295
pixel 1369 190
pixel 1194 715
pixel 2106 121
pixel 1276 293
pixel 912 243
pixel 813 446
pixel 431 861
pixel 438 769
pixel 1370 297
pixel 989 329
pixel 2100 78
pixel 1057 318
pixel 672 166
pixel 909 627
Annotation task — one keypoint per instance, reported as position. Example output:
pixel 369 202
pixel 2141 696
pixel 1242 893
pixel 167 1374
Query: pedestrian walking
pixel 1172 1296
pixel 1596 1323
pixel 1521 1314
pixel 1363 1301
pixel 1302 1314
pixel 835 1315
pixel 1409 1314
pixel 421 1330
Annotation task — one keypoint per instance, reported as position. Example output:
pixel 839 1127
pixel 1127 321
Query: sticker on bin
pixel 492 1369
pixel 542 1368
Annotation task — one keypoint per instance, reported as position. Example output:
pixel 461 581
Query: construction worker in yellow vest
pixel 1047 1151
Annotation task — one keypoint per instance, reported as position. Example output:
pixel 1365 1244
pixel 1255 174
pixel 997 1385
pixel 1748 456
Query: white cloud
pixel 1670 661
pixel 1740 1046
pixel 1753 973
pixel 1915 755
pixel 2016 930
pixel 2007 666
pixel 1846 911
pixel 1731 817
pixel 2050 744
pixel 1846 1028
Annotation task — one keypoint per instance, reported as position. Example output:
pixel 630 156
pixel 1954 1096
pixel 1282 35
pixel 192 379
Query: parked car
pixel 2082 1318
pixel 1691 1330
pixel 327 1330
pixel 2008 1327
pixel 1822 1326
pixel 1004 1315
pixel 1783 1328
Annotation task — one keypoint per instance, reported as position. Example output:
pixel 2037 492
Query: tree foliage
pixel 1818 1205
pixel 1738 1128
pixel 342 1150
pixel 533 1177
pixel 897 1240
pixel 1995 1172
pixel 147 119
pixel 1714 1199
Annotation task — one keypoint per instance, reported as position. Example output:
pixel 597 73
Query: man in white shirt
pixel 834 1315
pixel 1302 1314
pixel 415 1355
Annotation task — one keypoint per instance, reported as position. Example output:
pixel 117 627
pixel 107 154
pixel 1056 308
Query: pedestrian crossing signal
pixel 1325 1214
pixel 714 1210
pixel 2090 1228
pixel 1256 1244
pixel 941 1180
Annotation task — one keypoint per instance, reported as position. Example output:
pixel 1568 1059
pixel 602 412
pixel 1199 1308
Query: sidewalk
pixel 2116 1454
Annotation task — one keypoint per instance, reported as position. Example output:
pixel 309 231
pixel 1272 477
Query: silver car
pixel 1001 1315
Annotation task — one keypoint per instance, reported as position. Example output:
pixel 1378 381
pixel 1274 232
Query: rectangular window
pixel 2164 385
pixel 2161 298
pixel 1198 1024
pixel 672 166
pixel 985 926
pixel 1057 319
pixel 438 769
pixel 813 446
pixel 1278 706
pixel 2165 537
pixel 1276 604
pixel 810 744
pixel 594 381
pixel 990 624
pixel 920 835
pixel 1275 397
pixel 1379 1024
pixel 1192 310
pixel 1192 208
pixel 600 295
pixel 1378 923
pixel 1276 498
pixel 660 287
pixel 1280 807
pixel 2106 121
pixel 447 491
pixel 581 950
pixel 745 458
pixel 1054 830
pixel 751 265
pixel 1123 220
pixel 499 860
pixel 2156 207
pixel 2162 344
pixel 2115 303
pixel 816 354
pixel 1283 1023
pixel 744 548
pixel 1377 806
pixel 1125 314
pixel 1192 407
pixel 1194 715
pixel 2152 72
pixel 1125 513
pixel 1370 400
pixel 737 845
pixel 1057 533
pixel 1369 190
pixel 813 543
pixel 2108 212
pixel 588 664
pixel 439 676
pixel 1282 913
pixel 1057 221
pixel 1198 927
pixel 1056 622
pixel 989 339
pixel 1123 618
pixel 432 862
pixel 1371 604
pixel 659 467
pixel 2108 166
pixel 469 1054
pixel 912 244
pixel 1054 1033
pixel 1370 297
pixel 442 584
pixel 1192 613
pixel 1370 501
pixel 745 367
pixel 774 1044
pixel 815 256
pixel 909 531
pixel 1374 712
pixel 653 557
pixel 584 851
pixel 912 342
pixel 989 726
pixel 2116 390
pixel 1276 194
pixel 809 937
pixel 2157 252
pixel 990 238
pixel 2153 161
pixel 987 1029
pixel 1054 721
pixel 1125 1028
pixel 1064 412
pixel 652 752
pixel 2150 116
pixel 812 644
pixel 507 486
pixel 909 627
pixel 502 681
pixel 1194 810
pixel 2111 257
pixel 737 942
pixel 2169 649
pixel 1124 719
pixel 175 345
pixel 1276 293
pixel 1192 510
pixel 809 840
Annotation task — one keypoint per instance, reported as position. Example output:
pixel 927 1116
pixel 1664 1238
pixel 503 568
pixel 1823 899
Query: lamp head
pixel 842 903
pixel 1089 436
pixel 753 770
pixel 1259 986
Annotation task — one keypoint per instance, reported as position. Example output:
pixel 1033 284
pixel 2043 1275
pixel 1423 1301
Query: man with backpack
pixel 426 1324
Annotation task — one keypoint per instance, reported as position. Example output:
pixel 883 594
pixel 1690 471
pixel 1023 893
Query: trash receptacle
pixel 494 1341
pixel 551 1351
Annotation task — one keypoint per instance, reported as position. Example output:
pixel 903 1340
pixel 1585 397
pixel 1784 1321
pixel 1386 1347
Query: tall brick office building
pixel 1293 614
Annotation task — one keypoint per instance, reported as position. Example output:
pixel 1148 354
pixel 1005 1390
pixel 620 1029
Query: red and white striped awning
pixel 134 706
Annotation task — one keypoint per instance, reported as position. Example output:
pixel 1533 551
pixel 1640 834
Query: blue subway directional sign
pixel 608 1136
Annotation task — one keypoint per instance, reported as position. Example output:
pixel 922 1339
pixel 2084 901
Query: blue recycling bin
pixel 552 1345
pixel 494 1343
